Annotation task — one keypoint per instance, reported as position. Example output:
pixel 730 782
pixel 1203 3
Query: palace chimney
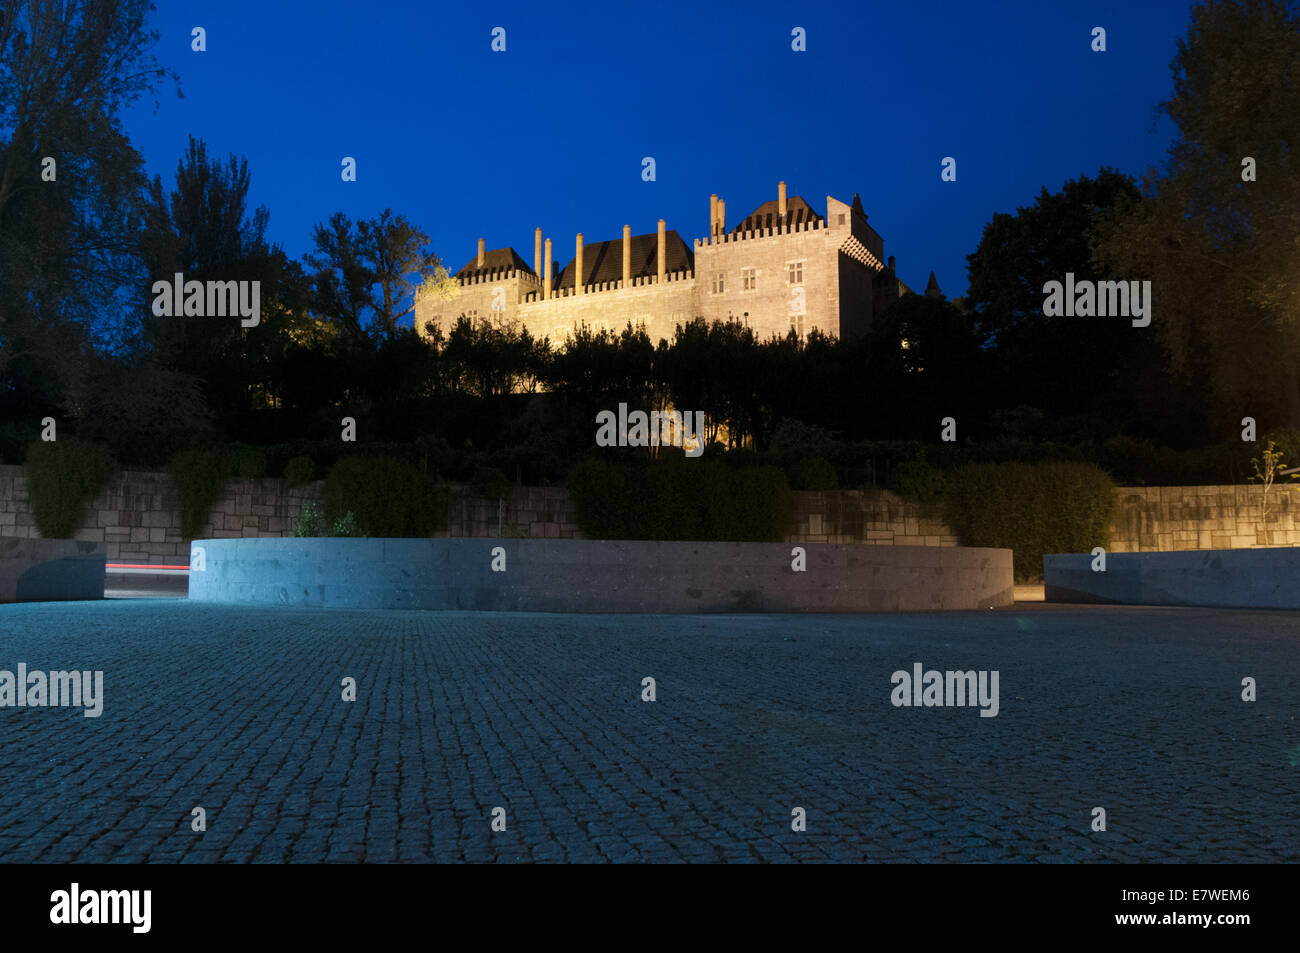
pixel 482 255
pixel 722 217
pixel 537 253
pixel 627 256
pixel 780 200
pixel 577 265
pixel 546 275
pixel 713 216
pixel 663 249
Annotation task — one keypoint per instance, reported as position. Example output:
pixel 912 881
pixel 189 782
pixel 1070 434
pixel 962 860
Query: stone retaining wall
pixel 138 516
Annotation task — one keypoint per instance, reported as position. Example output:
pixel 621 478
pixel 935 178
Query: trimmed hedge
pixel 388 497
pixel 62 477
pixel 1032 509
pixel 680 499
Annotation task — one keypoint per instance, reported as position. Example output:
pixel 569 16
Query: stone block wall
pixel 531 512
pixel 138 516
pixel 1170 518
pixel 872 517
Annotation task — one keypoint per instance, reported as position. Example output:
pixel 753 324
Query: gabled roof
pixel 797 212
pixel 603 261
pixel 495 260
pixel 932 286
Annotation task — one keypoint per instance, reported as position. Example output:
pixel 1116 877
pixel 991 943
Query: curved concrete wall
pixel 50 570
pixel 1265 578
pixel 597 575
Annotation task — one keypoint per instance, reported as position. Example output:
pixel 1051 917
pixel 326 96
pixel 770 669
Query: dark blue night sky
pixel 469 143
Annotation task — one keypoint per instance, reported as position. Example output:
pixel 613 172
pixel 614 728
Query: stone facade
pixel 784 267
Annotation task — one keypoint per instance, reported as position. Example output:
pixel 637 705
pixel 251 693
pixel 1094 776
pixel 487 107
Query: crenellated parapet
pixel 493 275
pixel 602 287
pixel 774 231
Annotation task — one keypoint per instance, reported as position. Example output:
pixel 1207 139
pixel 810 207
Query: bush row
pixel 679 499
pixel 1031 508
pixel 372 495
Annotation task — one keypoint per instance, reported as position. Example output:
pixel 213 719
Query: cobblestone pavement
pixel 237 710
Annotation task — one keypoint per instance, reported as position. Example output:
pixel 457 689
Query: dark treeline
pixel 81 247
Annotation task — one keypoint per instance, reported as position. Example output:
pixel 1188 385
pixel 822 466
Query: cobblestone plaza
pixel 240 711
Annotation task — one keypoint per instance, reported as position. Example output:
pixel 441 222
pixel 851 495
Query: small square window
pixel 749 279
pixel 841 218
pixel 794 272
pixel 719 283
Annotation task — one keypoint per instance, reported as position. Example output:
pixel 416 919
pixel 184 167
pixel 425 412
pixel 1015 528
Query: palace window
pixel 795 272
pixel 718 283
pixel 796 324
pixel 749 279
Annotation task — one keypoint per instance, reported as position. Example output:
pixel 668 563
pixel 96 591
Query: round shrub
pixel 814 473
pixel 300 470
pixel 918 481
pixel 387 497
pixel 62 476
pixel 200 477
pixel 245 462
pixel 489 483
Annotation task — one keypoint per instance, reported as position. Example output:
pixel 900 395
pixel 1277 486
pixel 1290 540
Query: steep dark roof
pixel 765 216
pixel 603 261
pixel 932 286
pixel 495 260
